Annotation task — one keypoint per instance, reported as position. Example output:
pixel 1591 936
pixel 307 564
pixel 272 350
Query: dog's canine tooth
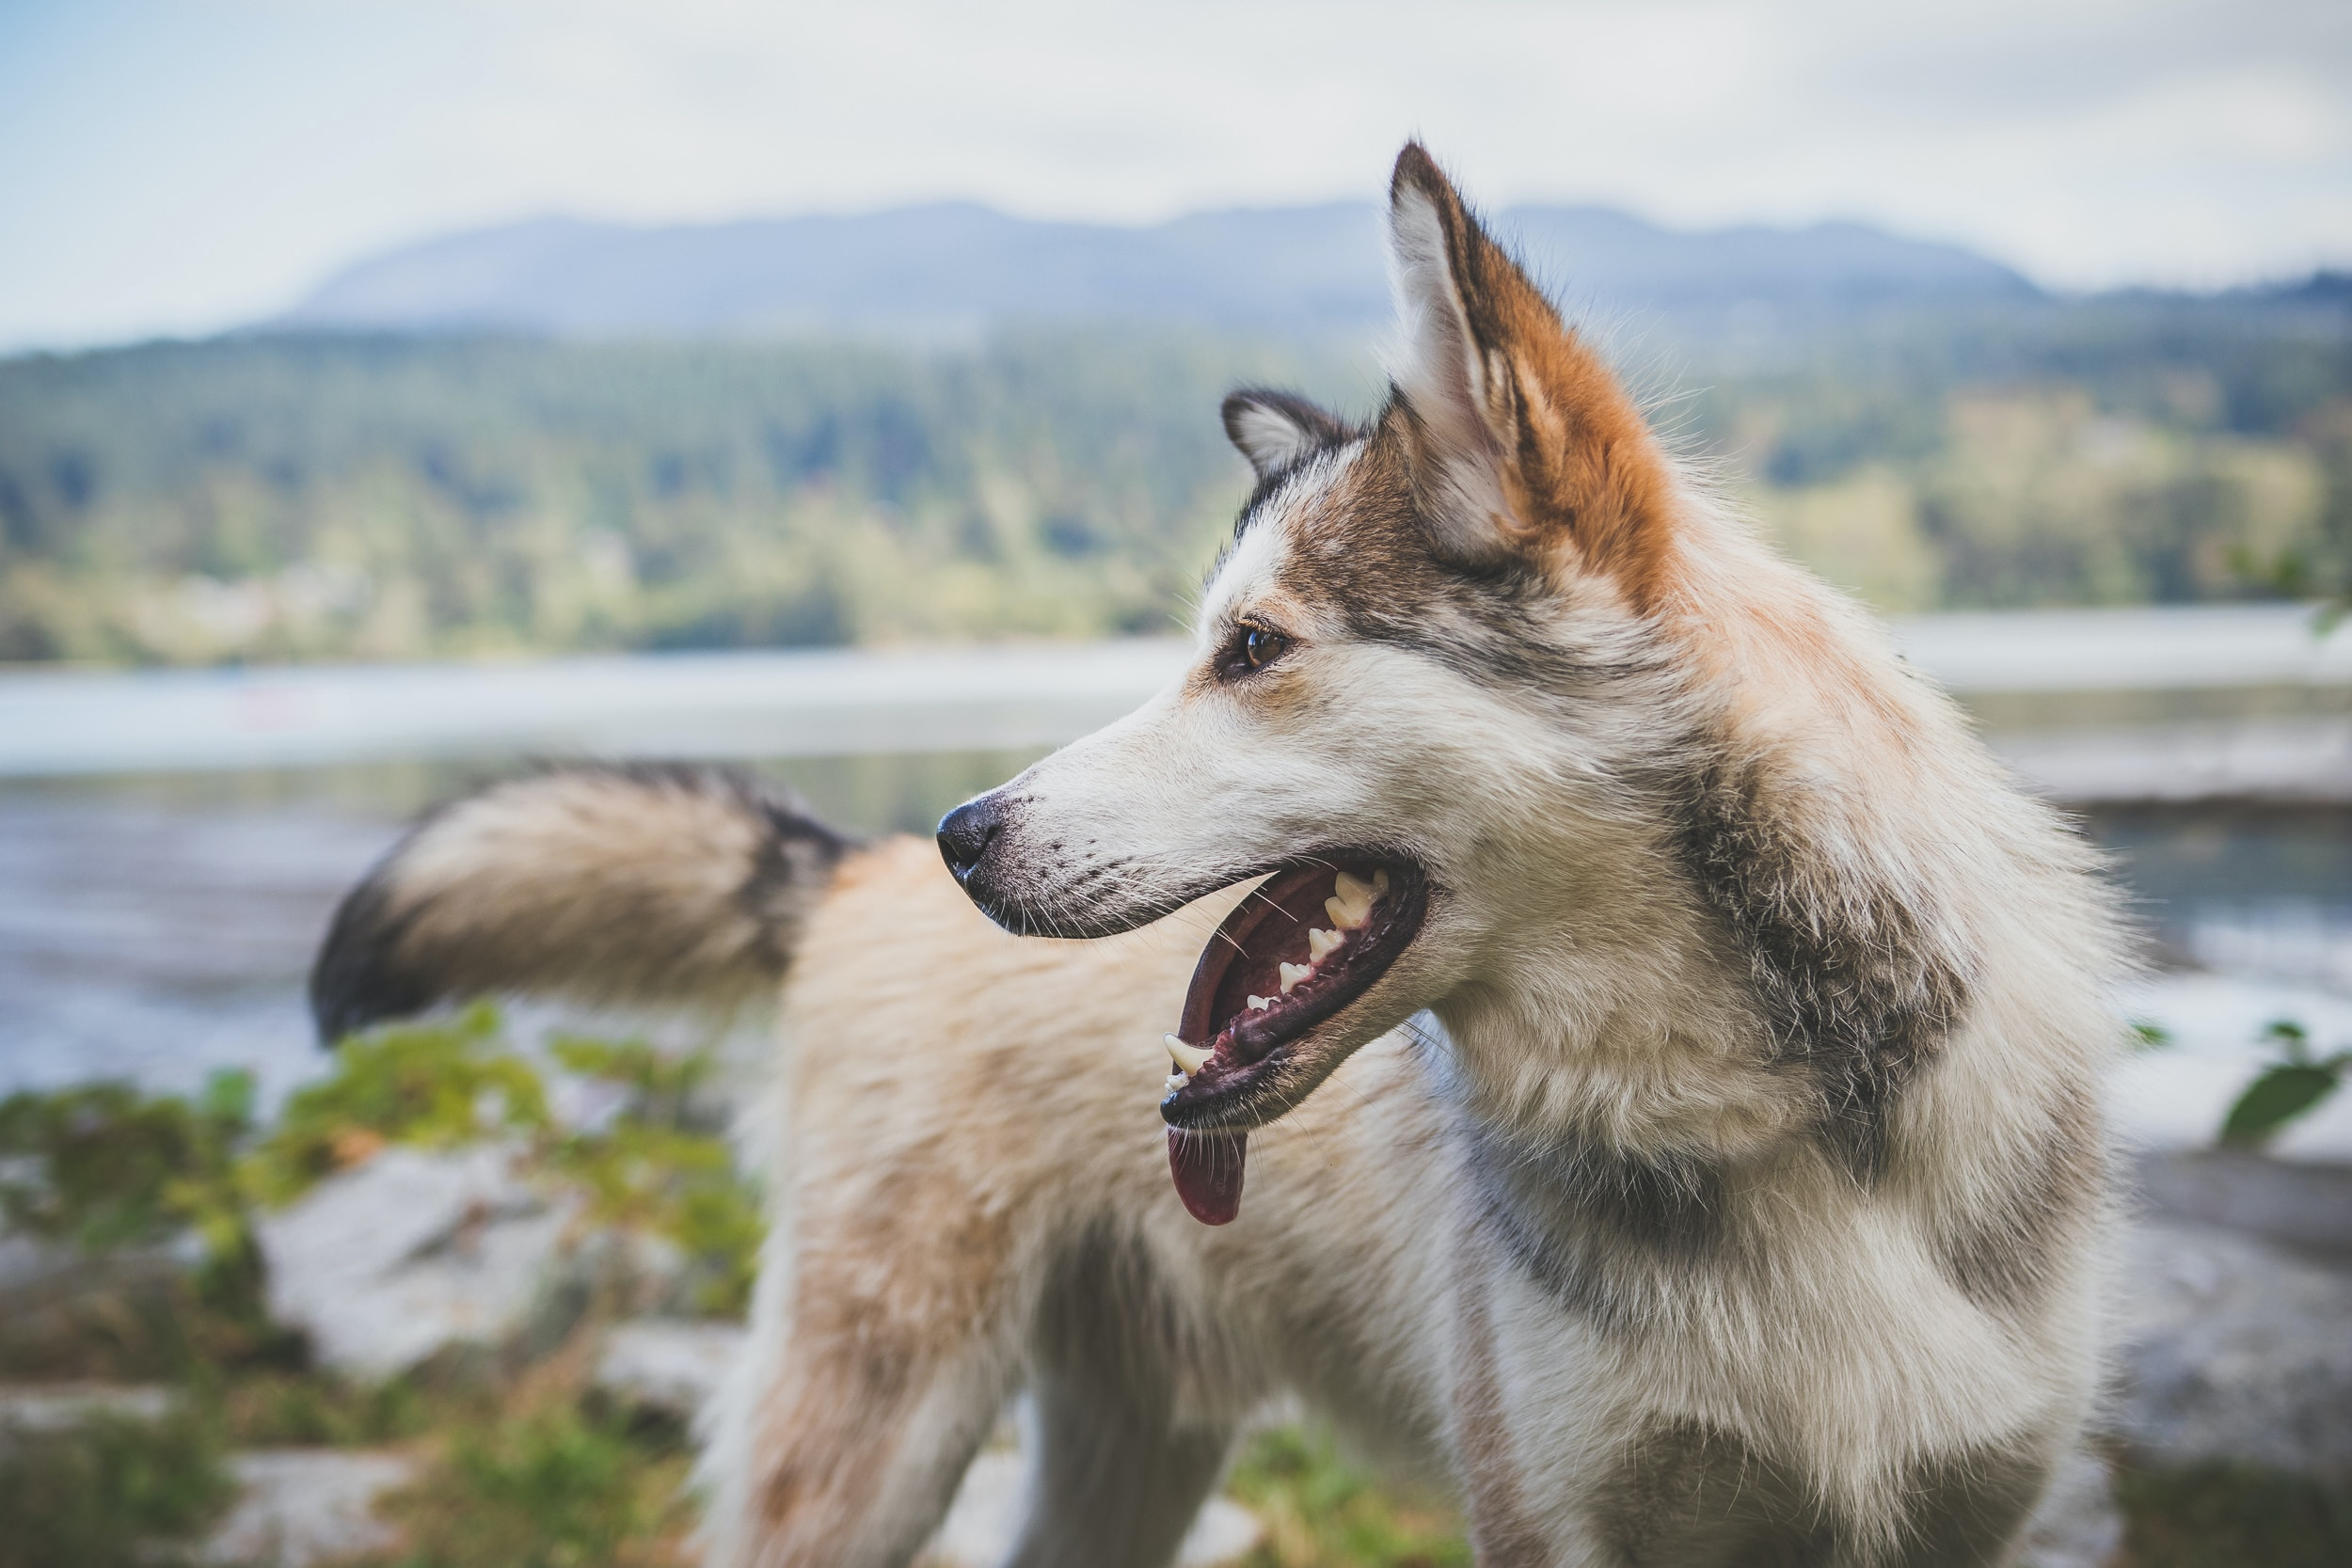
pixel 1353 898
pixel 1189 1058
pixel 1321 943
pixel 1292 975
pixel 1260 1004
pixel 1379 881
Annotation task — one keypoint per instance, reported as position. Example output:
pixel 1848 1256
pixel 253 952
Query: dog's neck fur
pixel 1742 985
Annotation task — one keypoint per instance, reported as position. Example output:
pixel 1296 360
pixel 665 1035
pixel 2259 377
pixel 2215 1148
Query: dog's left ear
pixel 1524 444
pixel 1275 430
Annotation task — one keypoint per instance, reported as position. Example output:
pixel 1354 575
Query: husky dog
pixel 1703 1162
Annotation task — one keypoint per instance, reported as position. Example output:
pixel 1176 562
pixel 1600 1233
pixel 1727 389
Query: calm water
pixel 159 928
pixel 2261 894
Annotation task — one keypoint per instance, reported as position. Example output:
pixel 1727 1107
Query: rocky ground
pixel 430 1275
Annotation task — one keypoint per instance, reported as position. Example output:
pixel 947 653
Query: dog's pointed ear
pixel 1275 430
pixel 1524 440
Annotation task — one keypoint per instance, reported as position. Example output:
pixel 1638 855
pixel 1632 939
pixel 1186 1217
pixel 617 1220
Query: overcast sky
pixel 185 165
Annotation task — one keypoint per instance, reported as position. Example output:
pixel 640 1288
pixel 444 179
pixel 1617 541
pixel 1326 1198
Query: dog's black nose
pixel 965 834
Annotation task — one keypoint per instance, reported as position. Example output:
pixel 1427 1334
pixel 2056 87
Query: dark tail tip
pixel 357 979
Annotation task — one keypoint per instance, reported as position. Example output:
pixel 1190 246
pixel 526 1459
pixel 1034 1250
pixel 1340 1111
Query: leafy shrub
pixel 553 1489
pixel 2221 1516
pixel 104 1494
pixel 272 1407
pixel 105 1165
pixel 2293 1086
pixel 1320 1511
pixel 651 1169
pixel 438 1085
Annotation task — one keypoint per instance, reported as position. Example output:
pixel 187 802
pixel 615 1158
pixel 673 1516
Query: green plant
pixel 1320 1511
pixel 650 1168
pixel 2292 1086
pixel 275 1407
pixel 550 1489
pixel 2222 1515
pixel 438 1084
pixel 105 1165
pixel 106 1492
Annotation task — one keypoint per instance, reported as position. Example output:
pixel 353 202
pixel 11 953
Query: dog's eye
pixel 1255 648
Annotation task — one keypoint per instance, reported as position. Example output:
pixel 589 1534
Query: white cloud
pixel 192 163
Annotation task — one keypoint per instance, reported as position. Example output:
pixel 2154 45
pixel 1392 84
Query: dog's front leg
pixel 1116 1481
pixel 882 1353
pixel 852 1454
pixel 1503 1532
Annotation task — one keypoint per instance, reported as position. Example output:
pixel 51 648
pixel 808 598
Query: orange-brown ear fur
pixel 1500 383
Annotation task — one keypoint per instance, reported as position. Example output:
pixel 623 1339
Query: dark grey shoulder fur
pixel 1852 988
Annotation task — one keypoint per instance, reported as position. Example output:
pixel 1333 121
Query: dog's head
pixel 1423 672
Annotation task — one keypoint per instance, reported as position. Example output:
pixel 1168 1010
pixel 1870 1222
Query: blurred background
pixel 390 393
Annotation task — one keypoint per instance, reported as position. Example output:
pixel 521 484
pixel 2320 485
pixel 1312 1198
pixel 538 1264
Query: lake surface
pixel 851 702
pixel 157 927
pixel 172 842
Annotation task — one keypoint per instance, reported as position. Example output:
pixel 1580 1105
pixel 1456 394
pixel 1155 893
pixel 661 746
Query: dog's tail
pixel 600 884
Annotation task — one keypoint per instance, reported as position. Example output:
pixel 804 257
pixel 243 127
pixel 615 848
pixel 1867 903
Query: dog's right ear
pixel 1276 430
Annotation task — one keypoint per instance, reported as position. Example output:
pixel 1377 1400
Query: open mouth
pixel 1307 942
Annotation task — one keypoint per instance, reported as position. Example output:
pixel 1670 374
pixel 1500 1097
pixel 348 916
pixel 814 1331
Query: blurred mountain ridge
pixel 956 270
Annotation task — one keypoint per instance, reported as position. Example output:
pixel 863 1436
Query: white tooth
pixel 1320 942
pixel 1379 881
pixel 1189 1058
pixel 1175 1081
pixel 1352 906
pixel 1292 975
pixel 1260 1004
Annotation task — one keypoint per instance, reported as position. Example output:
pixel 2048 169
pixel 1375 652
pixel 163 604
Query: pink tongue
pixel 1207 1169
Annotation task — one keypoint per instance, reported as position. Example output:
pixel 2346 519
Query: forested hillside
pixel 392 498
pixel 278 496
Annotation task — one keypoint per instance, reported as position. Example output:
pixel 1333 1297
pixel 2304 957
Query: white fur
pixel 1445 378
pixel 1269 437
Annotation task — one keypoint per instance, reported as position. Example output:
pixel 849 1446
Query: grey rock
pixel 387 1263
pixel 304 1506
pixel 2077 1524
pixel 2305 1203
pixel 34 1273
pixel 2232 1347
pixel 668 1365
pixel 42 1409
